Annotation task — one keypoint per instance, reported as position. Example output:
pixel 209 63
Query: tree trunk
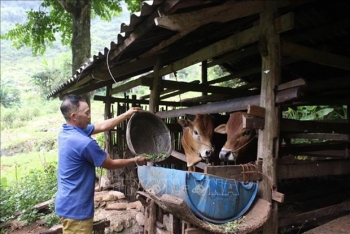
pixel 81 38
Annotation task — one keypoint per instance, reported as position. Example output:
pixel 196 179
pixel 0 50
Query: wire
pixel 109 70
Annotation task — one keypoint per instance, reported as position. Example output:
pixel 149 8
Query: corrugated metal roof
pixel 138 36
pixel 141 40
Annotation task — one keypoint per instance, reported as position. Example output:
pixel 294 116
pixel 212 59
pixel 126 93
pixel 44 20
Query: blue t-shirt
pixel 78 156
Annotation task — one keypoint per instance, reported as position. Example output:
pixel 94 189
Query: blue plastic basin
pixel 211 198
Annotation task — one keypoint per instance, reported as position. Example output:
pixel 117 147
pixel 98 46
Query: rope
pixel 244 144
pixel 248 169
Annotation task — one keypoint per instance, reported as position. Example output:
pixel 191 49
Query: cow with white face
pixel 197 138
pixel 241 144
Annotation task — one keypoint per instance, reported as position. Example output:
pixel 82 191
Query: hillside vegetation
pixel 29 121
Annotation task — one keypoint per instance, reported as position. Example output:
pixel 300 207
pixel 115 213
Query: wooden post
pixel 155 91
pixel 204 75
pixel 269 47
pixel 107 135
pixel 150 213
pixel 347 150
pixel 107 115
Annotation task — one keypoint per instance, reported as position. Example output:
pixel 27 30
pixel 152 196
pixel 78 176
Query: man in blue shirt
pixel 78 156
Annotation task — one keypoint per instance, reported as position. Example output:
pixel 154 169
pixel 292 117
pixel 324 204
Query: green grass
pixel 29 158
pixel 33 144
pixel 14 168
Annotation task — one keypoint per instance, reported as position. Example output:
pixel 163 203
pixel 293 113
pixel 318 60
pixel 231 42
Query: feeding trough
pixel 146 133
pixel 211 198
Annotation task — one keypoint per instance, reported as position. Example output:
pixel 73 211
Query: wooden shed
pixel 287 54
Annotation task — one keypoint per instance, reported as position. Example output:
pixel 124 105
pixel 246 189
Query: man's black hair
pixel 70 103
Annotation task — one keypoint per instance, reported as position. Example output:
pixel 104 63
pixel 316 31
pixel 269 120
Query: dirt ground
pixel 126 217
pixel 121 213
pixel 124 220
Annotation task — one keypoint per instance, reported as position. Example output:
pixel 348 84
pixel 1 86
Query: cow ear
pixel 221 129
pixel 183 122
pixel 190 117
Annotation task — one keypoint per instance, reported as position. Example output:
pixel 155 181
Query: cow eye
pixel 246 132
pixel 195 132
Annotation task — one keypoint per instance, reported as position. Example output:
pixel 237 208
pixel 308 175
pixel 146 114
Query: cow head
pixel 239 140
pixel 196 138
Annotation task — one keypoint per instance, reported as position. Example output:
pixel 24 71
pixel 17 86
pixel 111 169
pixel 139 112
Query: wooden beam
pixel 241 91
pixel 143 102
pixel 292 84
pixel 314 214
pixel 234 42
pixel 167 91
pixel 204 75
pixel 145 64
pixel 128 69
pixel 296 148
pixel 332 83
pixel 167 8
pixel 235 55
pixel 120 73
pixel 297 126
pixel 217 107
pixel 186 86
pixel 256 111
pixel 316 56
pixel 288 95
pixel 319 100
pixel 312 169
pixel 82 89
pixel 236 172
pixel 319 32
pixel 173 94
pixel 282 23
pixel 178 85
pixel 207 98
pixel 247 72
pixel 335 154
pixel 225 12
pixel 236 104
pixel 252 122
pixel 156 87
pixel 321 136
pixel 268 137
pixel 131 84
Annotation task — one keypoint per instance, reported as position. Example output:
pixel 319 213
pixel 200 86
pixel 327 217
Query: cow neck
pixel 236 150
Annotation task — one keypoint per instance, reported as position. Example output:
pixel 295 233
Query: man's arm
pixel 120 163
pixel 109 124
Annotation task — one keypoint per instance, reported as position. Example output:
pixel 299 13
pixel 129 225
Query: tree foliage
pixel 9 94
pixel 51 21
pixel 316 112
pixel 51 75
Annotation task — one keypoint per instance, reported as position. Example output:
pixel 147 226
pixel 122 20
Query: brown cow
pixel 199 140
pixel 196 138
pixel 241 144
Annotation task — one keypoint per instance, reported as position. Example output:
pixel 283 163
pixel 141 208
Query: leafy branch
pixel 153 157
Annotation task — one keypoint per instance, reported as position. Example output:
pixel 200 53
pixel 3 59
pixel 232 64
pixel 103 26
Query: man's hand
pixel 131 111
pixel 140 160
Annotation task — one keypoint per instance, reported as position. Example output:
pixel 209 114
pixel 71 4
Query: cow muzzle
pixel 227 155
pixel 206 154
